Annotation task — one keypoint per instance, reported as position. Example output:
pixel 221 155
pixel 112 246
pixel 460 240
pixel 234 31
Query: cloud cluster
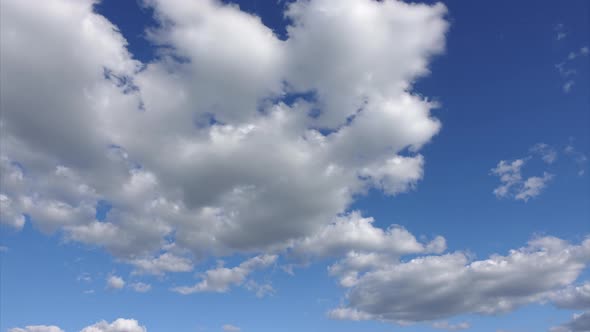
pixel 435 287
pixel 119 325
pixel 567 70
pixel 245 143
pixel 513 185
pixel 222 278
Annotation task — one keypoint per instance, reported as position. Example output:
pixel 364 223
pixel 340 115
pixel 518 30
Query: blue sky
pixel 285 166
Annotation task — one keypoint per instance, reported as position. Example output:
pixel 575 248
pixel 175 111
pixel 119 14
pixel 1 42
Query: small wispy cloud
pixel 513 184
pixel 444 325
pixel 560 31
pixel 141 287
pixel 565 70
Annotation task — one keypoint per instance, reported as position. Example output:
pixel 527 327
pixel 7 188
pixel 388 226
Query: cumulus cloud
pixel 119 325
pixel 115 282
pixel 435 287
pixel 37 328
pixel 228 160
pixel 221 279
pixel 578 323
pixel 352 232
pixel 573 297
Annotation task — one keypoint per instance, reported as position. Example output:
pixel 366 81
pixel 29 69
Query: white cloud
pixel 221 279
pixel 261 290
pixel 565 67
pixel 444 325
pixel 166 262
pixel 352 232
pixel 578 323
pixel 579 158
pixel 513 184
pixel 533 186
pixel 37 328
pixel 237 172
pixel 141 287
pixel 230 328
pixel 509 174
pixel 441 286
pixel 115 282
pixel 572 297
pixel 545 151
pixel 119 325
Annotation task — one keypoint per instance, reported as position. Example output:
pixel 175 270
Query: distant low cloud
pixel 162 264
pixel 141 287
pixel 37 328
pixel 441 286
pixel 119 325
pixel 115 282
pixel 221 279
pixel 444 325
pixel 230 328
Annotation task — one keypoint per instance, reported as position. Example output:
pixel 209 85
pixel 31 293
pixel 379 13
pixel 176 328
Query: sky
pixel 294 165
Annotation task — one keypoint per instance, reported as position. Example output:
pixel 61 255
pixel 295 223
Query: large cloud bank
pixel 199 149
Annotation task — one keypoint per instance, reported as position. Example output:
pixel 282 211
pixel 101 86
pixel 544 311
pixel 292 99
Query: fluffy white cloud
pixel 119 325
pixel 115 282
pixel 352 232
pixel 37 328
pixel 440 286
pixel 578 323
pixel 195 147
pixel 221 279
